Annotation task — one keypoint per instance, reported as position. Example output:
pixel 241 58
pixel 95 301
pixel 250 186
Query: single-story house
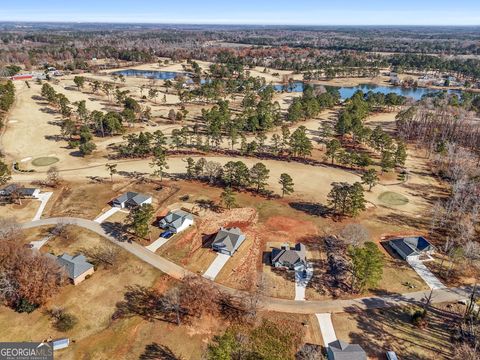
pixel 411 247
pixel 176 221
pixel 292 258
pixel 340 350
pixel 77 267
pixel 22 191
pixel 131 200
pixel 228 240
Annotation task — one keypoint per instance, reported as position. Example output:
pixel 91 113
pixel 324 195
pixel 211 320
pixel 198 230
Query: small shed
pixel 59 344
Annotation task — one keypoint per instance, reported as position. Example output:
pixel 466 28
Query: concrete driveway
pixel 157 244
pixel 301 282
pixel 43 197
pixel 216 266
pixel 326 328
pixel 432 281
pixel 37 245
pixel 104 216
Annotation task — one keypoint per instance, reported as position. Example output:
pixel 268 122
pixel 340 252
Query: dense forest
pixel 354 50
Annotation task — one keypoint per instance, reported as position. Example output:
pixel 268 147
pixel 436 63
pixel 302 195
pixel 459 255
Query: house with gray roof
pixel 131 200
pixel 292 258
pixel 20 190
pixel 176 221
pixel 76 267
pixel 410 248
pixel 340 350
pixel 228 240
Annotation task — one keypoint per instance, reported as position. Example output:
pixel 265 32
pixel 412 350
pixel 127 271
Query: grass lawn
pixel 45 161
pixel 393 198
pixel 22 213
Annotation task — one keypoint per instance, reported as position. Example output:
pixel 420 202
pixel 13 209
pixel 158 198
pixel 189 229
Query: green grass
pixel 392 198
pixel 44 161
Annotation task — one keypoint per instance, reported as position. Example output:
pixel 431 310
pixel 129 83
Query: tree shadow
pixel 381 330
pixel 311 208
pixel 156 351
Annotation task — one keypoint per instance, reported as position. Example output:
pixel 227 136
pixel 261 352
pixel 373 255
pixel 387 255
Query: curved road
pixel 267 303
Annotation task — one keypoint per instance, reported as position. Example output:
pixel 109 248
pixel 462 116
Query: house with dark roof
pixel 176 221
pixel 76 267
pixel 228 240
pixel 20 190
pixel 292 258
pixel 340 350
pixel 410 248
pixel 131 200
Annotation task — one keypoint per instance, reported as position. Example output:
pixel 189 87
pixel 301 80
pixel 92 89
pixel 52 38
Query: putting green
pixel 392 198
pixel 44 161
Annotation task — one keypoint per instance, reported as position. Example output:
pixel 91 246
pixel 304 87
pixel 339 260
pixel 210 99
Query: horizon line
pixel 226 24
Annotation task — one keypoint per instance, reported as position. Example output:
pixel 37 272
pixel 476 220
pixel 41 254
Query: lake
pixel 347 91
pixel 297 86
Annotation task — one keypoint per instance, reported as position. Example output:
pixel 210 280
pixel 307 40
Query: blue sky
pixel 307 12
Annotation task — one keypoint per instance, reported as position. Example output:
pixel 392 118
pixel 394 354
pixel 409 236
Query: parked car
pixel 167 234
pixel 391 355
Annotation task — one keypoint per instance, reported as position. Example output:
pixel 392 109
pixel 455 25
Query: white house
pixel 176 221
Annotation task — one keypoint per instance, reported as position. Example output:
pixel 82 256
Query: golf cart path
pixel 267 303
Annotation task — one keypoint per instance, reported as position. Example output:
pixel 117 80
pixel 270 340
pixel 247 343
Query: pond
pixel 298 86
pixel 151 74
pixel 347 91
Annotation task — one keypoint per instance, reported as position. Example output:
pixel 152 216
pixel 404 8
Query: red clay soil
pixel 281 228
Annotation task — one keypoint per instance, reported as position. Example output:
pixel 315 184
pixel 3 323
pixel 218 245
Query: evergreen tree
pixel 367 266
pixel 139 219
pixel 228 199
pixel 259 176
pixel 286 182
pixel 190 167
pixel 370 178
pixel 333 147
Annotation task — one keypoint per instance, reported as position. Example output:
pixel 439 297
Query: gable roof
pixel 411 245
pixel 74 265
pixel 132 198
pixel 176 218
pixel 344 351
pixel 228 238
pixel 290 256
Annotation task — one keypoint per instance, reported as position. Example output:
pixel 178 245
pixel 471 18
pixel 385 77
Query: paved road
pixel 267 303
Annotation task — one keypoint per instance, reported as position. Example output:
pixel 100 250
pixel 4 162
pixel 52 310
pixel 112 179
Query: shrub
pixel 25 306
pixel 66 322
pixel 419 318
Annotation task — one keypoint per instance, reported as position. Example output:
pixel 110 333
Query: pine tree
pixel 259 176
pixel 139 219
pixel 228 199
pixel 370 178
pixel 287 184
pixel 367 266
